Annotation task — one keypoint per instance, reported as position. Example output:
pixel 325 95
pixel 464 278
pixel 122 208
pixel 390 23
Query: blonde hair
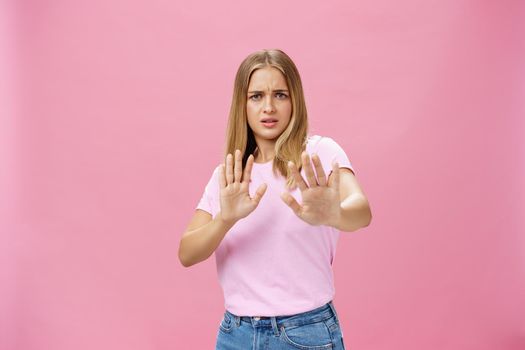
pixel 292 141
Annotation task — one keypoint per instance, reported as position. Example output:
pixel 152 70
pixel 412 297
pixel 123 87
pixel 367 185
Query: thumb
pixel 291 202
pixel 260 192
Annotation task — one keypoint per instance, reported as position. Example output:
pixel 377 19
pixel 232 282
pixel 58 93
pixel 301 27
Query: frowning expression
pixel 268 105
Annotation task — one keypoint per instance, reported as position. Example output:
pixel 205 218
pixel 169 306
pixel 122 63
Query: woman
pixel 272 222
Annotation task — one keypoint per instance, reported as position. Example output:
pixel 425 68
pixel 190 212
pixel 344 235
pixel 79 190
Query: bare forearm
pixel 355 213
pixel 197 245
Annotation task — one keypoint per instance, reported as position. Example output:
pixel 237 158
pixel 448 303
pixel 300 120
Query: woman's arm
pixel 204 234
pixel 355 209
pixel 202 237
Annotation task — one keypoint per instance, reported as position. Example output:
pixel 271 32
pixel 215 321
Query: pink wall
pixel 120 113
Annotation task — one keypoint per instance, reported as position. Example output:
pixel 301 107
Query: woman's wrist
pixel 225 222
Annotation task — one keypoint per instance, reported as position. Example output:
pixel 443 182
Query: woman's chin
pixel 269 134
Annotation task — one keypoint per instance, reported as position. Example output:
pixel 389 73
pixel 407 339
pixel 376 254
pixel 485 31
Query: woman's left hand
pixel 321 203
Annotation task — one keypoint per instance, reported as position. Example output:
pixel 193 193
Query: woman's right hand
pixel 235 199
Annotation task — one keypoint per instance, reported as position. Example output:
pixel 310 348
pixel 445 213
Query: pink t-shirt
pixel 272 263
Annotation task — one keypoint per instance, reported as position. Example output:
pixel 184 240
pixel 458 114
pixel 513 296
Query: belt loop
pixel 331 304
pixel 274 325
pixel 237 320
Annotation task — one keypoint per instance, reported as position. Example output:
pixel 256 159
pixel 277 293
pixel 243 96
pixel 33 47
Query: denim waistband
pixel 319 314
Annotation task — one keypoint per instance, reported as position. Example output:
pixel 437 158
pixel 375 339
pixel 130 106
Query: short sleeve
pixel 211 191
pixel 329 150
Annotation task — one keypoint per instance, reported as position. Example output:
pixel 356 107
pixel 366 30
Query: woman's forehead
pixel 267 79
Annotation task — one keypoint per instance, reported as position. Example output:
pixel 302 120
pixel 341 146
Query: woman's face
pixel 269 106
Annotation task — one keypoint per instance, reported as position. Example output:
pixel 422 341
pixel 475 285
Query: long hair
pixel 292 141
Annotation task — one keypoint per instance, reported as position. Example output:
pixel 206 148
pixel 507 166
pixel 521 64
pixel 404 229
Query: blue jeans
pixel 315 329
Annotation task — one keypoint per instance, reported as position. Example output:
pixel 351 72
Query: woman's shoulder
pixel 315 140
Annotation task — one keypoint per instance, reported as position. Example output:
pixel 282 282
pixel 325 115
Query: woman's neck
pixel 263 157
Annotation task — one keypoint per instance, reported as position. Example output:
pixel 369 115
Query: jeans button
pixel 256 318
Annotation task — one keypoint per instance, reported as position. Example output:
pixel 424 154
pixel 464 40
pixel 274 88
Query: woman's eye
pixel 280 95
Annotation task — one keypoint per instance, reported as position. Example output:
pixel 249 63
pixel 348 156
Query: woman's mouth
pixel 270 123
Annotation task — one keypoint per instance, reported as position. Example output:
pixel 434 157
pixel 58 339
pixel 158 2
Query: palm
pixel 318 204
pixel 320 201
pixel 235 199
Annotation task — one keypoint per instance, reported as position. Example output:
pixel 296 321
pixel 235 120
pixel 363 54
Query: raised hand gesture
pixel 320 202
pixel 235 199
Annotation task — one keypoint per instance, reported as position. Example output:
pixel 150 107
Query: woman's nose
pixel 268 105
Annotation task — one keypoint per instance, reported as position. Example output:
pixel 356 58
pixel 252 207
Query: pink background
pixel 113 117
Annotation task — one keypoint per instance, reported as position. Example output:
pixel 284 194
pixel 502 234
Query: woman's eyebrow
pixel 277 90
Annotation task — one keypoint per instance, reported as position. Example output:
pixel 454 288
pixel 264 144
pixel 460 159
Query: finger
pixel 248 169
pixel 259 193
pixel 291 202
pixel 321 176
pixel 229 170
pixel 308 170
pixel 222 176
pixel 238 166
pixel 297 176
pixel 335 174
